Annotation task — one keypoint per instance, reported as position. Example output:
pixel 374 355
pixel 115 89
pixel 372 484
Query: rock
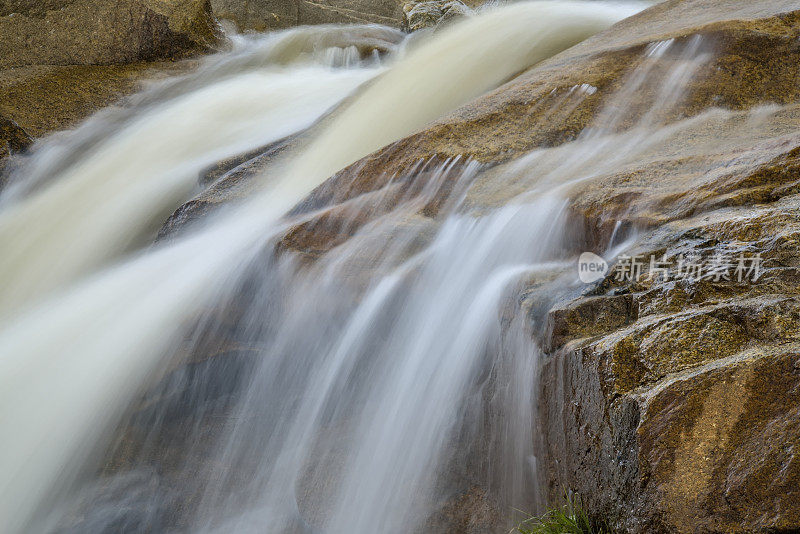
pixel 719 444
pixel 431 13
pixel 684 419
pixel 60 60
pixel 45 98
pixel 587 317
pixel 12 138
pixel 387 12
pixel 707 450
pixel 263 15
pixel 104 32
pixel 257 15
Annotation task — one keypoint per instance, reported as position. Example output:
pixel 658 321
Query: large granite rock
pixel 672 404
pixel 262 15
pixel 432 13
pixel 61 60
pixel 78 32
pixel 46 98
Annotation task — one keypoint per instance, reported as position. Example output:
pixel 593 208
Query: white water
pixel 103 203
pixel 74 360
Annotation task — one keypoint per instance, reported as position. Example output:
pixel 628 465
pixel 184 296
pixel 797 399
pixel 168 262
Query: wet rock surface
pixel 686 418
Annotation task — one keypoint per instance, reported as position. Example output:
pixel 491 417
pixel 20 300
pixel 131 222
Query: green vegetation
pixel 570 518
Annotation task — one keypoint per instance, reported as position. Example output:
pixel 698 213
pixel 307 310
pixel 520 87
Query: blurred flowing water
pixel 219 381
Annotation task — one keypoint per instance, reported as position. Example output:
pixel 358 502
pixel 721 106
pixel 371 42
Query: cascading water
pixel 121 186
pixel 344 408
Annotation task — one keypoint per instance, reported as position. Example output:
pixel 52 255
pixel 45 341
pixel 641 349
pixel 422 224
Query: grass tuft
pixel 570 518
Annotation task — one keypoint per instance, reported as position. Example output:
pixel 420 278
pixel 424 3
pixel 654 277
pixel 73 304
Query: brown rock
pixel 263 15
pixel 44 98
pixel 718 445
pixel 683 421
pixel 387 12
pixel 106 32
pixel 586 317
pixel 257 15
pixel 706 450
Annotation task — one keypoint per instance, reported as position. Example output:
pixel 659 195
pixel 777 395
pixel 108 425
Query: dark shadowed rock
pixel 13 139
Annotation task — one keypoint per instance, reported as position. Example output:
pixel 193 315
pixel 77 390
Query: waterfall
pixel 122 186
pixel 379 388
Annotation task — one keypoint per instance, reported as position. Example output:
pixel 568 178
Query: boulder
pixel 61 60
pixel 682 417
pixel 257 15
pixel 263 15
pixel 72 32
pixel 13 139
pixel 46 98
pixel 431 13
pixel 387 12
